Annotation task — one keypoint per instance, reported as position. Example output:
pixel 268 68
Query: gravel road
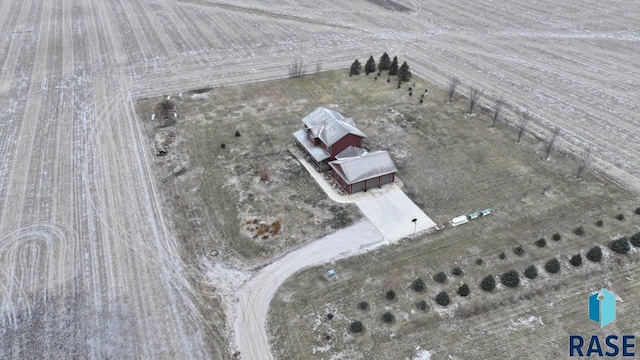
pixel 250 311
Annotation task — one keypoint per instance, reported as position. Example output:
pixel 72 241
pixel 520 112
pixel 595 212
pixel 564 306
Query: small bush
pixel 620 217
pixel 457 271
pixel 479 262
pixel 223 145
pixel 422 305
pixel 488 283
pixel 261 230
pixel 576 260
pixel 502 256
pixel 579 231
pixel 620 245
pixel 443 298
pixel 518 250
pixel 556 237
pixel 356 326
pixel 511 278
pixel 531 272
pixel 635 239
pixel 390 295
pixel 237 133
pixel 275 227
pixel 637 211
pixel 541 243
pixel 440 277
pixel 464 290
pixel 330 316
pixel 363 305
pixel 388 317
pixel 552 266
pixel 599 223
pixel 595 254
pixel 418 285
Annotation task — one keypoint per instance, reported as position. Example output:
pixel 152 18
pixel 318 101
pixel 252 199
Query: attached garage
pixel 371 183
pixel 359 171
pixel 386 179
pixel 357 187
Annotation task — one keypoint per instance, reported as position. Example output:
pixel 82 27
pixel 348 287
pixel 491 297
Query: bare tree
pixel 453 84
pixel 496 111
pixel 583 162
pixel 551 142
pixel 474 95
pixel 297 68
pixel 318 66
pixel 523 126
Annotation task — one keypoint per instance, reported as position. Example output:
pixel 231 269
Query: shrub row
pixel 510 278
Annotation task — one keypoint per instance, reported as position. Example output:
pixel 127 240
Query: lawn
pixel 453 163
pixel 450 163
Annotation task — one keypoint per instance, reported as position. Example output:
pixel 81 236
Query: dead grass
pixel 453 164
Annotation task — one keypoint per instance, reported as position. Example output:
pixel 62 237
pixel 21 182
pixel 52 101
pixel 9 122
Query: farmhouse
pixel 326 133
pixel 358 170
pixel 334 143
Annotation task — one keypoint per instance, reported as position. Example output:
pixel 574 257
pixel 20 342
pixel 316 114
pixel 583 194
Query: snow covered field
pixel 88 265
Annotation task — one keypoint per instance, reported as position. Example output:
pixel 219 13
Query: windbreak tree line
pixel 384 64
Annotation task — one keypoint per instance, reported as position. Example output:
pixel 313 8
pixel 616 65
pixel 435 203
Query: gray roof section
pixel 330 126
pixel 363 167
pixel 317 152
pixel 351 151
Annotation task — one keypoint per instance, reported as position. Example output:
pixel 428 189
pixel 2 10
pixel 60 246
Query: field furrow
pixel 89 264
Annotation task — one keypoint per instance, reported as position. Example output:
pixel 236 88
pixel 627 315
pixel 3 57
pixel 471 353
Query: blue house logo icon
pixel 602 307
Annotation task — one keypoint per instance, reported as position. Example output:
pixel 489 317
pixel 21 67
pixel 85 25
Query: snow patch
pixel 225 279
pixel 421 354
pixel 527 322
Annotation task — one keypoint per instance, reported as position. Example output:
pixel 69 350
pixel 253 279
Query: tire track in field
pixel 31 257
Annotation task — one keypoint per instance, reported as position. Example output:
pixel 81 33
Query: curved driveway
pixel 254 297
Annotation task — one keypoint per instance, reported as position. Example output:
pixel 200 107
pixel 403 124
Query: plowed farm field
pixel 89 264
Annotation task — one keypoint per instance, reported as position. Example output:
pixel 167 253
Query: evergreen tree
pixel 356 326
pixel 370 66
pixel 488 283
pixel 595 254
pixel 620 245
pixel 404 74
pixel 443 298
pixel 464 290
pixel 355 68
pixel 531 272
pixel 511 278
pixel 552 266
pixel 385 62
pixel 393 68
pixel 418 285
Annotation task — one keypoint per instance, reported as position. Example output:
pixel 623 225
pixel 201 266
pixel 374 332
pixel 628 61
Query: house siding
pixel 345 142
